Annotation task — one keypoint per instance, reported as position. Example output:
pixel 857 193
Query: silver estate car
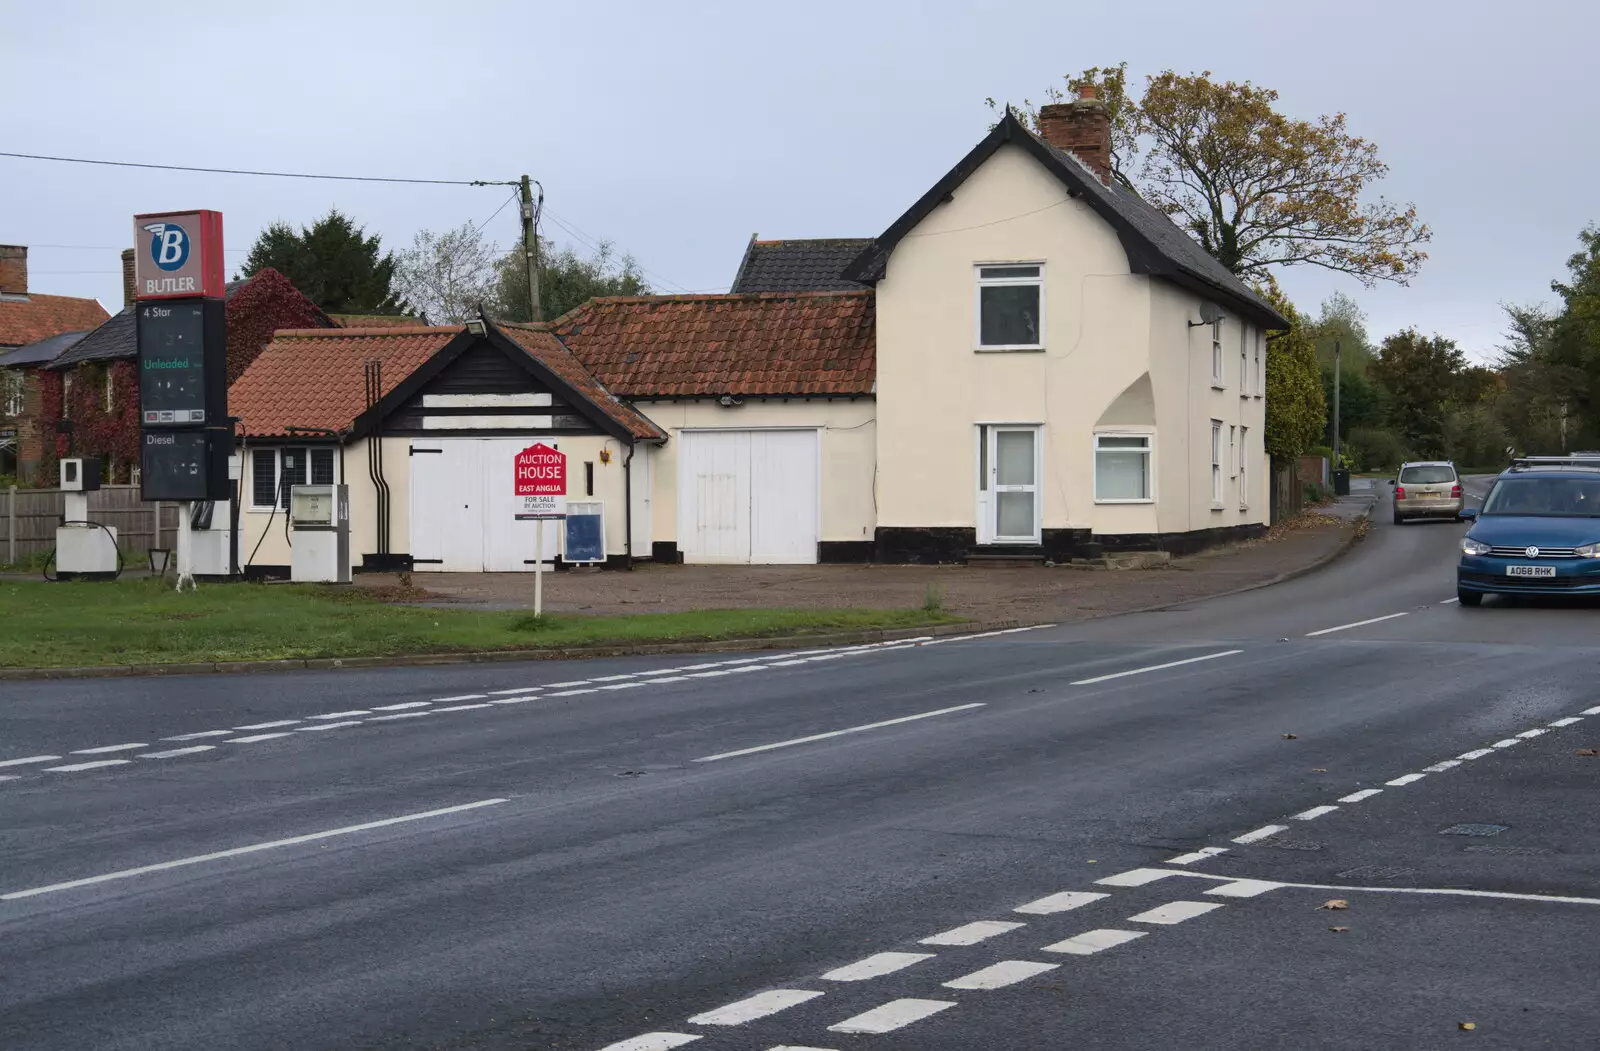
pixel 1426 489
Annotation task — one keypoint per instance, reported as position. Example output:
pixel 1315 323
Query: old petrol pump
pixel 85 549
pixel 319 521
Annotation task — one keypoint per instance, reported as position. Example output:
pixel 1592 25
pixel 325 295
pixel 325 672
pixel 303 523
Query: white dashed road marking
pixel 574 693
pixel 1000 975
pixel 330 726
pixel 893 1015
pixel 1365 793
pixel 173 753
pixel 1357 624
pixel 1063 902
pixel 652 1042
pixel 268 726
pixel 1536 732
pixel 1507 743
pixel 1314 813
pixel 1244 888
pixel 1264 832
pixel 875 966
pixel 1199 855
pixel 75 767
pixel 462 707
pixel 1175 912
pixel 1133 878
pixel 1591 711
pixel 1405 779
pixel 198 736
pixel 253 738
pixel 30 759
pixel 1476 753
pixel 1091 942
pixel 403 706
pixel 1441 767
pixel 1154 667
pixel 397 715
pixel 1568 721
pixel 758 1006
pixel 517 689
pixel 972 933
pixel 112 748
pixel 363 711
pixel 838 733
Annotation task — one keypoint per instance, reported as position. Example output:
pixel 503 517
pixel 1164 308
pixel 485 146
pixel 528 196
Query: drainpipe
pixel 627 505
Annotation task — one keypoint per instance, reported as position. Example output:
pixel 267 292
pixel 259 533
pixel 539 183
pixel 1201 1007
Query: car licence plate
pixel 1530 571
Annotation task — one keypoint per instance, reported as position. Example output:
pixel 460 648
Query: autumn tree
pixel 1421 374
pixel 449 277
pixel 1258 189
pixel 332 262
pixel 566 279
pixel 1296 411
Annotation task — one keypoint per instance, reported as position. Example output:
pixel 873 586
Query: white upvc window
pixel 1244 360
pixel 1244 468
pixel 1122 471
pixel 1216 465
pixel 1260 342
pixel 1233 451
pixel 1216 354
pixel 1010 306
pixel 274 471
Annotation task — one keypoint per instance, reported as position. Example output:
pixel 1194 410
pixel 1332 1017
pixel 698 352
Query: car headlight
pixel 1475 547
pixel 1588 550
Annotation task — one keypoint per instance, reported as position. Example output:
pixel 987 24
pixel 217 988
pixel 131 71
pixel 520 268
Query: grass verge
pixel 146 622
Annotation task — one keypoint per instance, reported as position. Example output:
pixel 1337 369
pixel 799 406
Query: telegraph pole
pixel 530 245
pixel 1337 461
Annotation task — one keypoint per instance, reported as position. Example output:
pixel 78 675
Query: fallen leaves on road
pixel 1319 769
pixel 1288 737
pixel 1334 903
pixel 1467 1025
pixel 1338 930
pixel 1589 751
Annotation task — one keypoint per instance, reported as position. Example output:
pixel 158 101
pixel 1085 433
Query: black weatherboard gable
pixel 459 345
pixel 1153 243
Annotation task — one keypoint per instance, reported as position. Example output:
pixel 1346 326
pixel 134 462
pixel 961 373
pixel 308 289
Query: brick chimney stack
pixel 13 270
pixel 1082 127
pixel 129 289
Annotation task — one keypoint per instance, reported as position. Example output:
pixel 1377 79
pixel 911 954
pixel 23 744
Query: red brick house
pixel 33 329
pixel 89 394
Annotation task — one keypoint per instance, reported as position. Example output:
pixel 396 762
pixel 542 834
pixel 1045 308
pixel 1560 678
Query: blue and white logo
pixel 169 245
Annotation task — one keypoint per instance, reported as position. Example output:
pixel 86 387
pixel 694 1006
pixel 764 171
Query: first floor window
pixel 111 386
pixel 1261 377
pixel 1010 307
pixel 1121 467
pixel 1233 453
pixel 1244 468
pixel 1216 353
pixel 274 471
pixel 11 389
pixel 1216 464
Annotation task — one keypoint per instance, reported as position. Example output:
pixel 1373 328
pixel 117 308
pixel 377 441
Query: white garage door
pixel 462 514
pixel 748 496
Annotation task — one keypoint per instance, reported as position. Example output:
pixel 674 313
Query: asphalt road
pixel 619 857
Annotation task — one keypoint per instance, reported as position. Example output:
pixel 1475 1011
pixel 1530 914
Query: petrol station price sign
pixel 172 362
pixel 541 483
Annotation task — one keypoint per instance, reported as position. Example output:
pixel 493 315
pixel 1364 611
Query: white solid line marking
pixel 253 738
pixel 462 707
pixel 75 767
pixel 1091 942
pixel 399 715
pixel 1507 743
pixel 1133 878
pixel 1536 732
pixel 1441 767
pixel 1591 711
pixel 173 753
pixel 971 933
pixel 436 700
pixel 1568 721
pixel 1244 888
pixel 1365 793
pixel 838 733
pixel 1063 902
pixel 1446 602
pixel 112 748
pixel 519 689
pixel 30 759
pixel 1405 779
pixel 1357 624
pixel 652 1042
pixel 358 711
pixel 1476 753
pixel 1153 667
pixel 1558 899
pixel 402 706
pixel 198 736
pixel 1199 855
pixel 891 1016
pixel 1175 912
pixel 875 966
pixel 329 726
pixel 268 726
pixel 251 849
pixel 999 975
pixel 1264 832
pixel 758 1006
pixel 1314 813
pixel 574 693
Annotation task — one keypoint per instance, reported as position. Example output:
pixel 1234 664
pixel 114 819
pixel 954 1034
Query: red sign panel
pixel 541 482
pixel 178 254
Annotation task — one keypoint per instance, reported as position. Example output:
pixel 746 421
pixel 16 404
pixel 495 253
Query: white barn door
pixel 462 518
pixel 748 496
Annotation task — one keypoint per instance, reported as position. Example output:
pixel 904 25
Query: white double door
pixel 463 508
pixel 1008 484
pixel 748 496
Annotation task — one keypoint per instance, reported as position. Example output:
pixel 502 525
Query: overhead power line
pixel 245 171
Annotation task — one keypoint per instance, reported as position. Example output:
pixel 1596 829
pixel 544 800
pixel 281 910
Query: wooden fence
pixel 1288 493
pixel 28 520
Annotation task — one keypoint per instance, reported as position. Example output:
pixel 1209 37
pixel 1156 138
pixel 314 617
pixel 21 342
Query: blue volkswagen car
pixel 1538 532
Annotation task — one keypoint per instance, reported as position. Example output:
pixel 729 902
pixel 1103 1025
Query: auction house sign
pixel 178 254
pixel 541 483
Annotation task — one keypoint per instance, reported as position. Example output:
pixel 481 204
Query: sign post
pixel 541 495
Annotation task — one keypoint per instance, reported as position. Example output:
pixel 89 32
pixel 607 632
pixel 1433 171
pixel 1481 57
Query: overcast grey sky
pixel 676 130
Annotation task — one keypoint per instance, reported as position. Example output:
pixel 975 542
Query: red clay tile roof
pixel 537 340
pixel 707 346
pixel 373 320
pixel 316 377
pixel 40 317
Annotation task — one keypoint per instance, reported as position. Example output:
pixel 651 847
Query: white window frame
pixel 1260 342
pixel 979 283
pixel 988 486
pixel 12 385
pixel 110 390
pixel 1244 468
pixel 1216 465
pixel 1149 464
pixel 1244 360
pixel 277 472
pixel 1218 358
pixel 1233 451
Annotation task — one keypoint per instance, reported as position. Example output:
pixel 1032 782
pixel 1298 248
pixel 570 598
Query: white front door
pixel 1008 485
pixel 462 513
pixel 748 496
